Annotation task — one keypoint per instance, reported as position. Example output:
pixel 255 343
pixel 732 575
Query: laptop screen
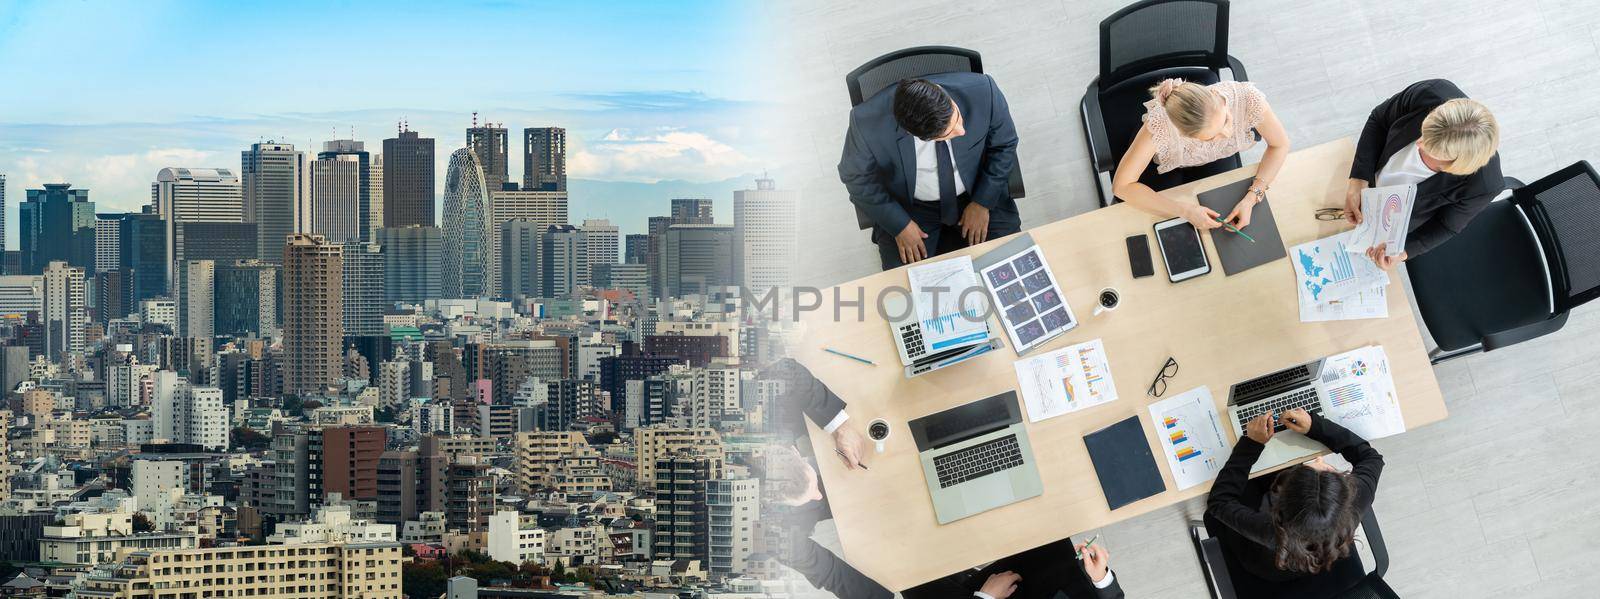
pixel 965 421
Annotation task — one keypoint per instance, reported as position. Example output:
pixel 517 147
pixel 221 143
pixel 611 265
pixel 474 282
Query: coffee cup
pixel 878 431
pixel 1107 300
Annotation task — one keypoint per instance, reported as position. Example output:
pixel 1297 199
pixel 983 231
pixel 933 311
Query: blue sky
pixel 104 94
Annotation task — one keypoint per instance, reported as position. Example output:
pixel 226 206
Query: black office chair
pixel 1220 572
pixel 887 70
pixel 1517 269
pixel 1141 45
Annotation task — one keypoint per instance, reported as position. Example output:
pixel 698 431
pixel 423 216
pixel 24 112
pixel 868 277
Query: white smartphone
pixel 1181 250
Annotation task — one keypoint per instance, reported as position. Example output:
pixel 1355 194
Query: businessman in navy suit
pixel 928 162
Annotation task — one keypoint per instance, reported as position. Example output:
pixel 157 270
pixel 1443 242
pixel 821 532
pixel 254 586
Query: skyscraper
pixel 412 265
pixel 194 195
pixel 542 207
pixel 489 143
pixel 408 181
pixel 144 259
pixel 346 192
pixel 364 296
pixel 544 159
pixel 313 314
pixel 763 237
pixel 521 252
pixel 657 234
pixel 566 263
pixel 197 308
pixel 277 191
pixel 2 217
pixel 691 211
pixel 57 224
pixel 65 310
pixel 466 235
pixel 697 258
pixel 600 237
pixel 223 243
pixel 636 248
pixel 247 299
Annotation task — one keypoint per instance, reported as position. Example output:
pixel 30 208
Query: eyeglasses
pixel 1159 386
pixel 1330 214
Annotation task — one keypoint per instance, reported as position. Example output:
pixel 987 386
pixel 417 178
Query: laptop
pixel 1280 391
pixel 976 457
pixel 914 353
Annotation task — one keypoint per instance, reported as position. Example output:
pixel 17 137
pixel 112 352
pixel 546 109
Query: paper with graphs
pixel 1361 394
pixel 1385 218
pixel 1191 436
pixel 1065 380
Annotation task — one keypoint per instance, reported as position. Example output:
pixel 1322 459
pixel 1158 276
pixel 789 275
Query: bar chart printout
pixel 1191 436
pixel 1326 271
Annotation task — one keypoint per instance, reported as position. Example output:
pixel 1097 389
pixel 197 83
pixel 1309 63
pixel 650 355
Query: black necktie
pixel 948 214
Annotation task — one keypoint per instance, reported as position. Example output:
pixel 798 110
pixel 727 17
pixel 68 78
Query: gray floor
pixel 1501 499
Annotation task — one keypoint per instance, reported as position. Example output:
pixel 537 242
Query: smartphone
pixel 1139 256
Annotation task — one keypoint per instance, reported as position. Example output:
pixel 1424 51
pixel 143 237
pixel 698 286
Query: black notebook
pixel 1237 253
pixel 1123 461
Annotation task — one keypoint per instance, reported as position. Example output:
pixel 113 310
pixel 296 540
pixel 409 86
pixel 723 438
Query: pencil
pixel 856 358
pixel 1235 230
pixel 842 455
pixel 1088 544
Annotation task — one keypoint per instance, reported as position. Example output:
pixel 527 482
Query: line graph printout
pixel 1065 380
pixel 950 303
pixel 1387 212
pixel 1361 393
pixel 1191 437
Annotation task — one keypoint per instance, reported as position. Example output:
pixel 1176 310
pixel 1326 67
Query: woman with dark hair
pixel 1293 531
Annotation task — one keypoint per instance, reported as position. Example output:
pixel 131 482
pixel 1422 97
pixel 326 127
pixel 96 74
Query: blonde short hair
pixel 1188 104
pixel 1463 132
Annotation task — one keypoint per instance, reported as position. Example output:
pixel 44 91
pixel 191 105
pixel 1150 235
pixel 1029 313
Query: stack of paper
pixel 1386 219
pixel 952 315
pixel 1335 283
pixel 1361 394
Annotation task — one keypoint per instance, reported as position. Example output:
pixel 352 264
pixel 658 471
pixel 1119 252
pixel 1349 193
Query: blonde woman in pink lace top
pixel 1189 124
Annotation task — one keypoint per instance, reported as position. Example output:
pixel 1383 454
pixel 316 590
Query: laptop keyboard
pixel 982 459
pixel 911 339
pixel 1305 399
pixel 1263 384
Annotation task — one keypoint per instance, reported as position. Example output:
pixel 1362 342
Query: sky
pixel 658 98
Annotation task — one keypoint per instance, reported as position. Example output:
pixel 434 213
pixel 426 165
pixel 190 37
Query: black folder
pixel 1237 253
pixel 1123 461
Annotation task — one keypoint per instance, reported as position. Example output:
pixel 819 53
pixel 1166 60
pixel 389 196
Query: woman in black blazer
pixel 1292 533
pixel 1430 135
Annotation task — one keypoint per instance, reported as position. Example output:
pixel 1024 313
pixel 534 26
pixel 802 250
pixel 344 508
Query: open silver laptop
pixel 976 457
pixel 1280 391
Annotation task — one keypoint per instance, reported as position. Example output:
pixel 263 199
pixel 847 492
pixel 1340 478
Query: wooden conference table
pixel 1220 329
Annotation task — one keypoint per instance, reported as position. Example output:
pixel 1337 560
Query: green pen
pixel 1088 545
pixel 1234 229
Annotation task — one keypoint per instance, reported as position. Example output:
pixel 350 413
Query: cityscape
pixel 385 366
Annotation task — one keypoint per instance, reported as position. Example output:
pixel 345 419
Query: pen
pixel 842 455
pixel 1235 230
pixel 856 358
pixel 1087 545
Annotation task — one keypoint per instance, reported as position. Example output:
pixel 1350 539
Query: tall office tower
pixel 732 506
pixel 194 195
pixel 408 180
pixel 763 237
pixel 601 238
pixel 56 224
pixel 65 311
pixel 633 276
pixel 521 251
pixel 657 233
pixel 489 143
pixel 247 299
pixel 697 259
pixel 541 207
pixel 19 295
pixel 411 263
pixel 681 524
pixel 107 241
pixel 144 258
pixel 346 192
pixel 313 314
pixel 364 295
pixel 2 218
pixel 544 159
pixel 277 191
pixel 566 263
pixel 466 233
pixel 635 248
pixel 197 300
pixel 691 211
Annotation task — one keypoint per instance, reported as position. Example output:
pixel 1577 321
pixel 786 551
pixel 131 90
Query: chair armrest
pixel 1212 563
pixel 1514 183
pixel 1380 552
pixel 1237 68
pixel 1094 129
pixel 1014 183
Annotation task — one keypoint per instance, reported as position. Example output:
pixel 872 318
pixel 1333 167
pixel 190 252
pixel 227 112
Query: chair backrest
pixel 1371 587
pixel 884 71
pixel 1564 208
pixel 1157 34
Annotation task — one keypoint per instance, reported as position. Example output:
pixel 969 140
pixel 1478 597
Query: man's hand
pixel 1297 420
pixel 1352 201
pixel 1096 561
pixel 975 223
pixel 910 243
pixel 1260 428
pixel 1001 585
pixel 1240 217
pixel 850 445
pixel 1380 256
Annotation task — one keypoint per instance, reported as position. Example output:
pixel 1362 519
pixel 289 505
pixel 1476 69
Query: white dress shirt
pixel 926 187
pixel 1405 167
pixel 1104 582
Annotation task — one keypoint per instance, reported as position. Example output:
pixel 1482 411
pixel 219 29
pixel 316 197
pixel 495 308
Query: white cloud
pixel 657 154
pixel 116 182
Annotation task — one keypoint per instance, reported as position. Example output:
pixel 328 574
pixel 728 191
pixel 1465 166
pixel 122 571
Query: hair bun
pixel 1164 89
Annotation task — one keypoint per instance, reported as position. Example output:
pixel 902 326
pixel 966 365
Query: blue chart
pixel 1328 272
pixel 946 322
